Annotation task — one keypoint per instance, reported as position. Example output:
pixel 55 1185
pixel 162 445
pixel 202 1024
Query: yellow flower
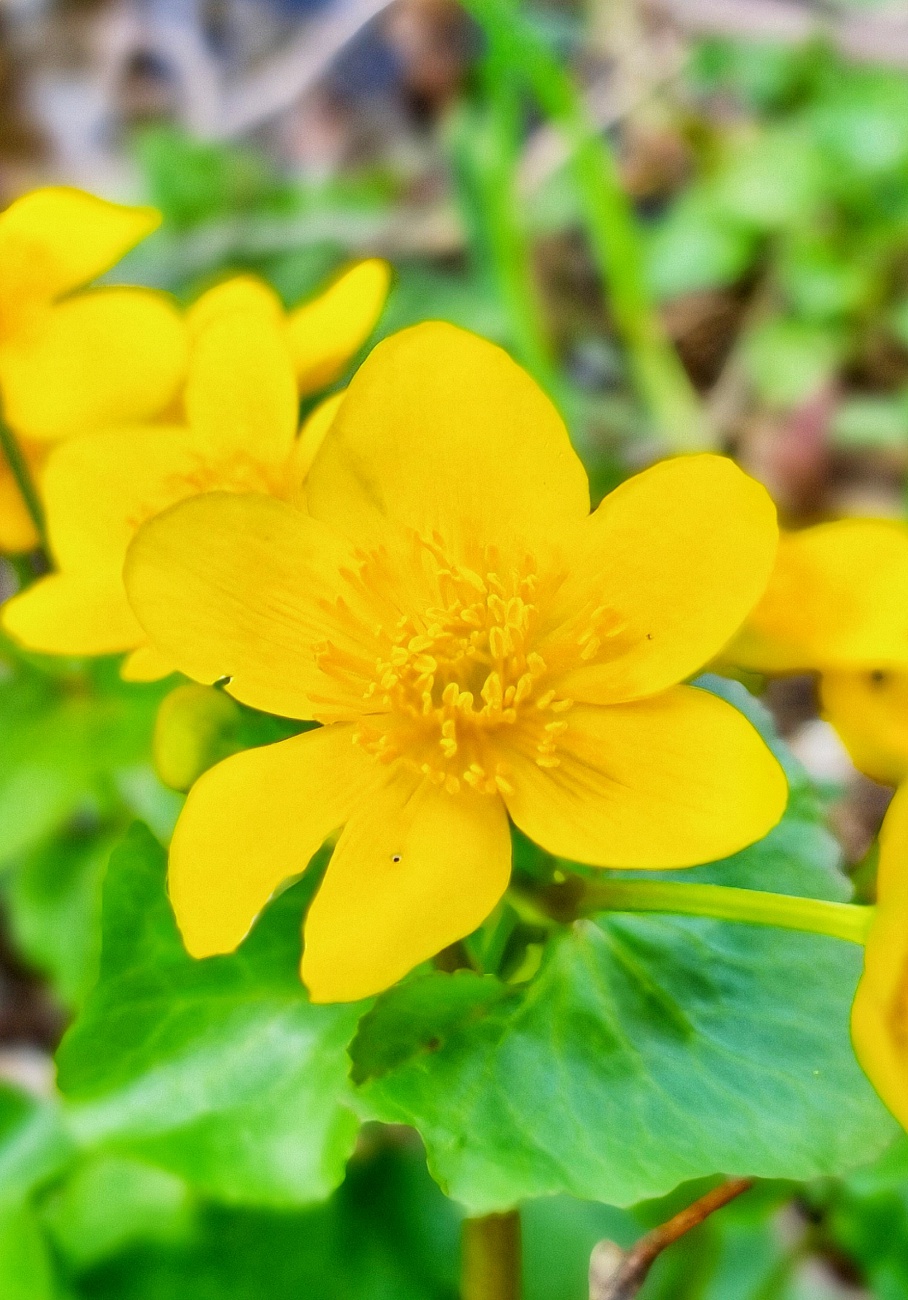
pixel 17 531
pixel 476 644
pixel 837 605
pixel 72 361
pixel 837 598
pixel 247 362
pixel 879 1018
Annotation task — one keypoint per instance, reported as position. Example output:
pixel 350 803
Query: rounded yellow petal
pixel 56 239
pixel 879 1018
pixel 68 614
pixel 869 710
pixel 240 394
pixel 99 487
pixel 672 781
pixel 441 431
pixel 313 434
pixel 326 332
pixel 106 357
pixel 242 293
pixel 414 870
pixel 837 599
pixel 241 587
pixel 677 556
pixel 17 532
pixel 145 664
pixel 254 821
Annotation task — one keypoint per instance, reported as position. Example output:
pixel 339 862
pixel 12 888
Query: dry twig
pixel 616 1274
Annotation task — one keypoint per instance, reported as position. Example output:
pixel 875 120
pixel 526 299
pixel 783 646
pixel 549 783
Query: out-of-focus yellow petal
pixel 17 532
pixel 106 357
pixel 326 332
pixel 145 664
pixel 240 392
pixel 254 821
pixel 242 293
pixel 240 587
pixel 677 556
pixel 837 599
pixel 672 781
pixel 440 431
pixel 56 239
pixel 879 1018
pixel 869 710
pixel 414 870
pixel 98 489
pixel 312 435
pixel 68 614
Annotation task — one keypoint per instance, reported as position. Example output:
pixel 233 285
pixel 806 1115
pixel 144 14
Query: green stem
pixel 614 236
pixel 21 473
pixel 490 1257
pixel 785 911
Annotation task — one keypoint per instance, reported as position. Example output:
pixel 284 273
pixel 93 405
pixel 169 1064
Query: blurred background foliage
pixel 764 147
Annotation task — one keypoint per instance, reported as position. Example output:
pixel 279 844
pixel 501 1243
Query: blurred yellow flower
pixel 247 362
pixel 879 1018
pixel 837 605
pixel 476 644
pixel 77 360
pixel 17 530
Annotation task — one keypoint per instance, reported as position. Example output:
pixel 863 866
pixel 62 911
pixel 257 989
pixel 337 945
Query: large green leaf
pixel 219 1070
pixel 33 1143
pixel 648 1050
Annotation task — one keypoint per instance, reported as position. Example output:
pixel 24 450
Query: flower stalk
pixel 490 1257
pixel 846 921
pixel 21 473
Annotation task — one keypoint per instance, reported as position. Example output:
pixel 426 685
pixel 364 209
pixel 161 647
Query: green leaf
pixel 772 180
pixel 649 1049
pixel 697 246
pixel 26 1271
pixel 33 1143
pixel 872 422
pixel 110 1202
pixel 55 909
pixel 789 360
pixel 74 737
pixel 218 1070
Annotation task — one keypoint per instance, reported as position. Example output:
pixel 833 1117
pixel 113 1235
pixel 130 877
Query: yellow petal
pixel 240 393
pixel 242 293
pixel 145 664
pixel 240 587
pixel 56 239
pixel 98 489
pixel 879 1018
pixel 441 431
pixel 869 710
pixel 674 560
pixel 254 821
pixel 837 599
pixel 672 781
pixel 325 333
pixel 413 871
pixel 17 532
pixel 67 614
pixel 313 434
pixel 106 357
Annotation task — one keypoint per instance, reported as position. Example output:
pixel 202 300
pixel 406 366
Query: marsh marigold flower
pixel 73 358
pixel 879 1018
pixel 837 605
pixel 476 645
pixel 248 362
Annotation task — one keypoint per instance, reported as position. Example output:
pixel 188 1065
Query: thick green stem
pixel 785 911
pixel 21 473
pixel 614 236
pixel 490 1258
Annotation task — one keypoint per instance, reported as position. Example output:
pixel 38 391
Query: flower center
pixel 453 681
